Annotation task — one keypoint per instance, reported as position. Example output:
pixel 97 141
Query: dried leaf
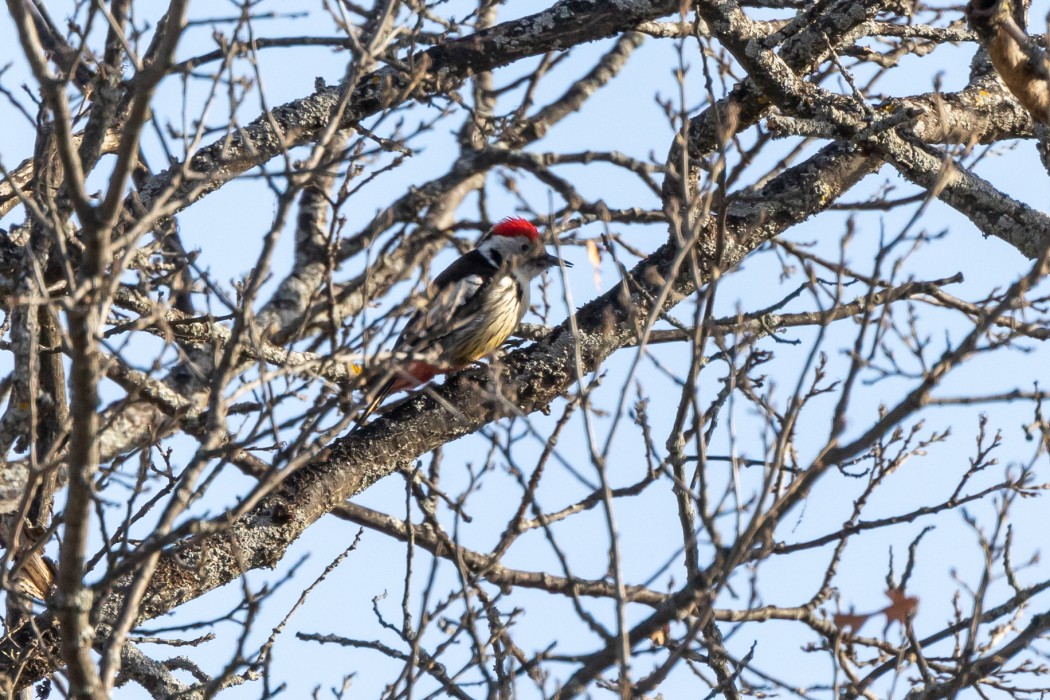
pixel 901 608
pixel 851 622
pixel 593 254
pixel 660 636
pixel 595 257
pixel 37 576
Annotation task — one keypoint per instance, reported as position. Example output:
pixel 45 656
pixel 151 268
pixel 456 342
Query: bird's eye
pixel 524 247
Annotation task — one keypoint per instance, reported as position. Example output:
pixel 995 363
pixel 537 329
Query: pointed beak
pixel 555 261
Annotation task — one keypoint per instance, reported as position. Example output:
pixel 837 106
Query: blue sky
pixel 228 226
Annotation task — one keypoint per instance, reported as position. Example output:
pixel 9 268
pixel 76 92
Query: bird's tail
pixel 384 391
pixel 416 373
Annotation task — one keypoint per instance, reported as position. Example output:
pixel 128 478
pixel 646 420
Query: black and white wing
pixel 456 299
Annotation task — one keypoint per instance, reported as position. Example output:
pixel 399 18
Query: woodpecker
pixel 472 307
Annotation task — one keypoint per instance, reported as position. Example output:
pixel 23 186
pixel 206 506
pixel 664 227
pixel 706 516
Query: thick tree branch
pixel 531 378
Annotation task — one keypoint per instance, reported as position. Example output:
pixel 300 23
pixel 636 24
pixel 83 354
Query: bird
pixel 471 308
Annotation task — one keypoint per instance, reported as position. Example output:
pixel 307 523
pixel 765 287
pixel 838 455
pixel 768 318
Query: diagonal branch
pixel 532 378
pixel 437 70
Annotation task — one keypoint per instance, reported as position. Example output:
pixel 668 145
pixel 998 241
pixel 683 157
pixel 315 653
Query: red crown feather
pixel 515 226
